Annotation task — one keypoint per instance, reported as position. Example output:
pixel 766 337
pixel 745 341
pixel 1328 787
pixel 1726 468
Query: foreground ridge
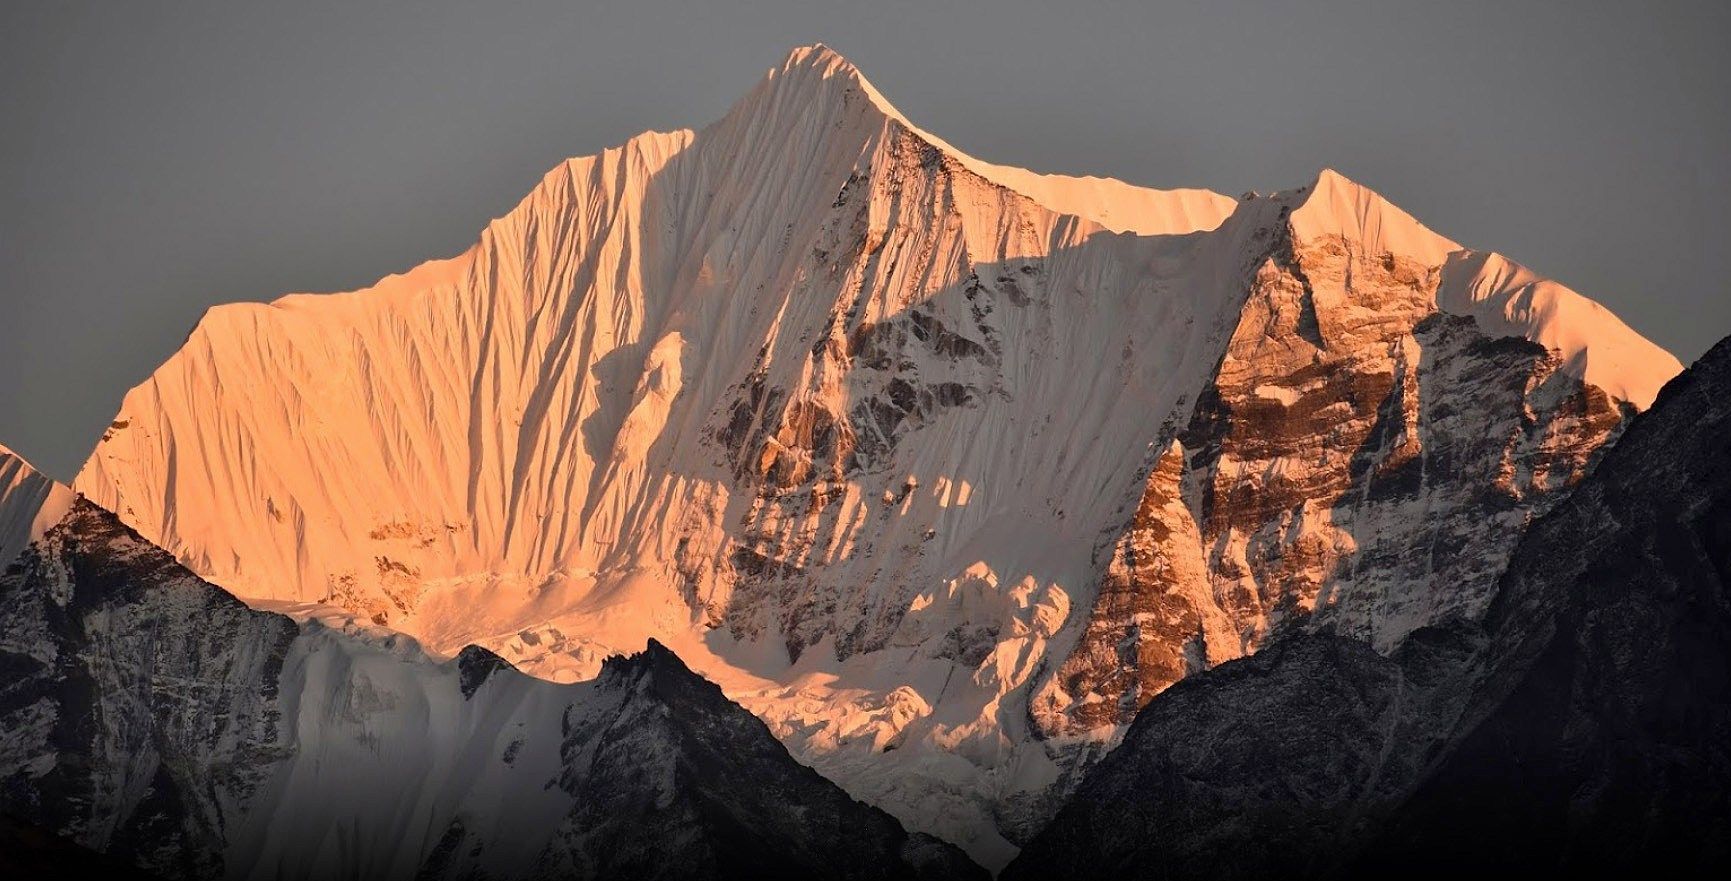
pixel 155 718
pixel 1579 728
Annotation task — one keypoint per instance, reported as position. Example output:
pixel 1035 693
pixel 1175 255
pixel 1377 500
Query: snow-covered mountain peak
pixel 1335 205
pixel 822 61
pixel 814 74
pixel 819 73
pixel 1508 299
pixel 1504 297
pixel 878 435
pixel 30 503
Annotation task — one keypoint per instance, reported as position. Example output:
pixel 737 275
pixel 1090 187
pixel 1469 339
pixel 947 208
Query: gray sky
pixel 159 158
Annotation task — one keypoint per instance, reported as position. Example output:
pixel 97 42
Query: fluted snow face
pixel 855 422
pixel 30 503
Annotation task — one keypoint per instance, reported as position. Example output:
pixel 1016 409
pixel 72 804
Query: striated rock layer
pixel 149 715
pixel 1360 459
pixel 1582 728
pixel 942 468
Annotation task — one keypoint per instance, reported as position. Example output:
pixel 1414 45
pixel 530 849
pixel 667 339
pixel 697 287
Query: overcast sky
pixel 158 158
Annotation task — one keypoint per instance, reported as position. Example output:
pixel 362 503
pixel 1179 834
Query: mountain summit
pixel 1114 204
pixel 942 468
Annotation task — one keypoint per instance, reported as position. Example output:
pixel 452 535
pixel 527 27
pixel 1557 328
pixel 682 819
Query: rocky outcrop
pixel 1598 738
pixel 151 716
pixel 1360 460
pixel 1579 725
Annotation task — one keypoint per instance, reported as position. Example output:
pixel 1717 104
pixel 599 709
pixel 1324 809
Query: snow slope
pixel 1506 299
pixel 859 425
pixel 29 504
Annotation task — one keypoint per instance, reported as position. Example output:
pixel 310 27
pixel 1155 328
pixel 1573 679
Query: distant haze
pixel 157 160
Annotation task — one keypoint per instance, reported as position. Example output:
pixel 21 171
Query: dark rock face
pixel 152 717
pixel 719 798
pixel 1600 737
pixel 27 851
pixel 475 665
pixel 1262 767
pixel 139 703
pixel 1584 725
